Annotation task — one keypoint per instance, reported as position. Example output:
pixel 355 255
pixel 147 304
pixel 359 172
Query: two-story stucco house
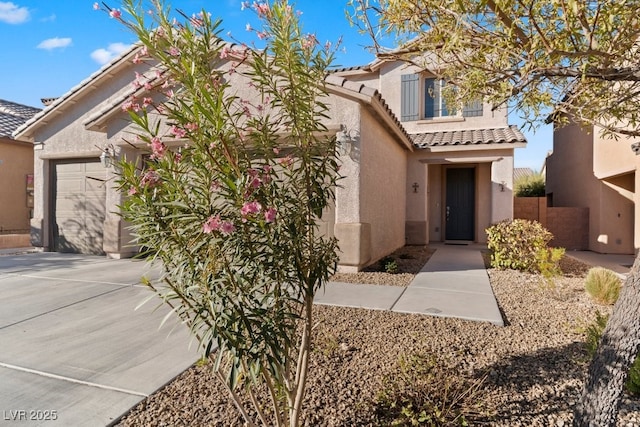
pixel 414 172
pixel 587 170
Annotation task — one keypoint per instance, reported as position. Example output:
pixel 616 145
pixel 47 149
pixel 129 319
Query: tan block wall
pixel 569 226
pixel 8 241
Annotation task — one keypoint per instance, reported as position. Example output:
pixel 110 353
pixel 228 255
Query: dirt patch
pixel 408 261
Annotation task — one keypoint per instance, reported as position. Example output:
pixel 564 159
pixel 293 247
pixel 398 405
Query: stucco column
pixel 116 236
pixel 39 232
pixel 502 189
pixel 354 236
pixel 417 190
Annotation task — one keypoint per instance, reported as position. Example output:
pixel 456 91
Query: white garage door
pixel 79 206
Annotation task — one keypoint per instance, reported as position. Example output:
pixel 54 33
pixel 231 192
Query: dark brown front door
pixel 460 204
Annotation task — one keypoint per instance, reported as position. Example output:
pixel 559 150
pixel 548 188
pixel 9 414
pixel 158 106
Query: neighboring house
pixel 522 173
pixel 413 171
pixel 585 170
pixel 16 169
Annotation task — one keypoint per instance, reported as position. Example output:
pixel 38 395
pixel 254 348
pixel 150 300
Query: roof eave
pixel 474 147
pixel 25 131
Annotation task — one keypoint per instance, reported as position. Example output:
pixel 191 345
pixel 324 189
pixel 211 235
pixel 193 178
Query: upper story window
pixel 421 98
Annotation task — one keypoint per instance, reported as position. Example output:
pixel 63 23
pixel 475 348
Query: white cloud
pixel 54 43
pixel 102 56
pixel 49 18
pixel 13 14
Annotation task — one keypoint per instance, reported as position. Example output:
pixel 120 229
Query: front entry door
pixel 460 204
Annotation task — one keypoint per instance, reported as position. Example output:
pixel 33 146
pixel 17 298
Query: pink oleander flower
pixel 309 41
pixel 178 132
pixel 150 179
pixel 215 186
pixel 250 208
pixel 147 101
pixel 115 13
pixel 173 51
pixel 96 6
pixel 286 161
pixel 158 148
pixel 276 150
pixel 136 59
pixel 192 127
pixel 256 183
pixel 270 215
pixel 224 53
pixel 177 157
pixel 169 93
pixel 262 35
pixel 132 191
pixel 261 8
pixel 244 5
pixel 227 227
pixel 213 223
pixel 248 27
pixel 131 105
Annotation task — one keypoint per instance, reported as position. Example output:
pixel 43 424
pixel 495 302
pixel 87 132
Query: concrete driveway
pixel 73 349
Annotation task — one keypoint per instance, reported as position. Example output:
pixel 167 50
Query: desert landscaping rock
pixel 534 366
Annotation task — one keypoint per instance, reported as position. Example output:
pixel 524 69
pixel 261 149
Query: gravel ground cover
pixel 533 367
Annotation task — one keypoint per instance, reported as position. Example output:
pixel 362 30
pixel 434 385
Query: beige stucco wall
pixel 16 161
pixel 577 158
pixel 383 187
pixel 370 203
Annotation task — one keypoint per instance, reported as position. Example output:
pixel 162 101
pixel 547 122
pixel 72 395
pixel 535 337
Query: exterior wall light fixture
pixel 106 157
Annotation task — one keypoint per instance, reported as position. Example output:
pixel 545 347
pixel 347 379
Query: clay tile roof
pixel 12 115
pixel 508 135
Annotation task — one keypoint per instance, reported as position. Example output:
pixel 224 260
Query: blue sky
pixel 49 46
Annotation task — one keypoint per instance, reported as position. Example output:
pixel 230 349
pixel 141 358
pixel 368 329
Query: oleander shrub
pixel 521 244
pixel 431 392
pixel 603 285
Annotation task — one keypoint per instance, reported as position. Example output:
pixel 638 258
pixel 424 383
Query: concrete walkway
pixel 453 283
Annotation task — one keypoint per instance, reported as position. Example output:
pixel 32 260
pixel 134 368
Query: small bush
pixel 521 244
pixel 424 391
pixel 594 333
pixel 603 285
pixel 389 265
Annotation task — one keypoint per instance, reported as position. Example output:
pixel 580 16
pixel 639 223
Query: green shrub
pixel 603 285
pixel 521 244
pixel 530 186
pixel 425 391
pixel 594 333
pixel 389 265
pixel 633 382
pixel 548 261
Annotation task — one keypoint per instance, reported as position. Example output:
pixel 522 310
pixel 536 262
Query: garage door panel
pixel 79 207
